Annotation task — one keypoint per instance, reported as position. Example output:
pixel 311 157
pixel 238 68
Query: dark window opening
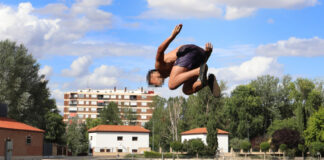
pixel 120 150
pixel 28 140
pixel 133 97
pixel 134 150
pixel 134 138
pixel 102 150
pixel 119 138
pixel 100 96
pixel 107 150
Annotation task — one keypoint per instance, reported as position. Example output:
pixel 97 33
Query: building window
pixel 107 150
pixel 144 97
pixel 133 97
pixel 90 137
pixel 113 96
pixel 81 95
pixel 80 109
pixel 86 102
pixel 93 96
pixel 102 150
pixel 144 104
pixel 94 102
pixel 86 109
pixel 134 150
pixel 119 97
pixel 134 110
pixel 106 96
pixel 120 150
pixel 119 103
pixel 143 124
pixel 143 110
pixel 126 96
pixel 81 102
pixel 126 103
pixel 119 138
pixel 86 116
pixel 133 103
pixel 93 116
pixel 28 140
pixel 134 138
pixel 80 115
pixel 143 117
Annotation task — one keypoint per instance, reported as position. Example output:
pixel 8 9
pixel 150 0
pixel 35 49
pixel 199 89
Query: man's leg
pixel 180 75
pixel 192 86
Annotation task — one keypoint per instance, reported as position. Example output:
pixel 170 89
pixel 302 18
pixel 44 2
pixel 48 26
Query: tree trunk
pixel 197 155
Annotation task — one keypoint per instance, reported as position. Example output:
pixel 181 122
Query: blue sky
pixel 105 43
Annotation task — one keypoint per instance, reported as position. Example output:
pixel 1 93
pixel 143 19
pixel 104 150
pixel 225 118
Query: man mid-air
pixel 184 65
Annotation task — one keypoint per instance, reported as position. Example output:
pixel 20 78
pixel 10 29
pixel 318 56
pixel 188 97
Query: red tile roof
pixel 202 131
pixel 118 128
pixel 8 123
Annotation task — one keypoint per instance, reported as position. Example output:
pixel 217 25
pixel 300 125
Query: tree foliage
pixel 26 92
pixel 315 128
pixel 110 114
pixel 76 137
pixel 286 136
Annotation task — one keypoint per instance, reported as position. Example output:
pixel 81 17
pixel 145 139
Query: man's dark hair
pixel 148 78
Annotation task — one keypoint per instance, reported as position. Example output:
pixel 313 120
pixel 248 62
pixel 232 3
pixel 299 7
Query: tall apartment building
pixel 87 103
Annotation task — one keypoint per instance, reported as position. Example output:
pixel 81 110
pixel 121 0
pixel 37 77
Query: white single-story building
pixel 222 137
pixel 117 139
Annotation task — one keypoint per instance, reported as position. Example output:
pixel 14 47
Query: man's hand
pixel 208 47
pixel 176 30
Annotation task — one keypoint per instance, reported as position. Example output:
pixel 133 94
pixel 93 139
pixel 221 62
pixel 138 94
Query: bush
pixel 286 136
pixel 317 147
pixel 245 145
pixel 265 146
pixel 196 146
pixel 176 146
pixel 235 143
pixel 283 147
pixel 152 154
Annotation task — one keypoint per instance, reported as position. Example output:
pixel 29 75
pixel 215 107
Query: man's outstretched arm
pixel 165 44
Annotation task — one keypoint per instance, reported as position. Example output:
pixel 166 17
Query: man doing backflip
pixel 184 65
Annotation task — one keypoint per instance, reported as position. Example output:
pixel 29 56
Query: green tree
pixel 266 88
pixel 158 125
pixel 92 122
pixel 24 90
pixel 110 114
pixel 245 112
pixel 55 128
pixel 176 146
pixel 235 143
pixel 315 128
pixel 196 146
pixel 265 146
pixel 245 145
pixel 290 123
pixel 316 147
pixel 212 134
pixel 130 116
pixel 76 137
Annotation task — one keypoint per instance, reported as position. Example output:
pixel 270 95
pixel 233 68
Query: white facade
pixel 221 138
pixel 111 142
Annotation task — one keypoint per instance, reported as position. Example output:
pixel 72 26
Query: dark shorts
pixel 190 56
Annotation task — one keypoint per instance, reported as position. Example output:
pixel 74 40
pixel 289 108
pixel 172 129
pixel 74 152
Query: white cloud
pixel 78 67
pixel 102 77
pixel 58 26
pixel 248 70
pixel 170 9
pixel 47 71
pixel 238 12
pixel 293 47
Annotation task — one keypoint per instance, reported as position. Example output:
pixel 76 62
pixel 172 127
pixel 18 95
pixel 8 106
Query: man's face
pixel 156 79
